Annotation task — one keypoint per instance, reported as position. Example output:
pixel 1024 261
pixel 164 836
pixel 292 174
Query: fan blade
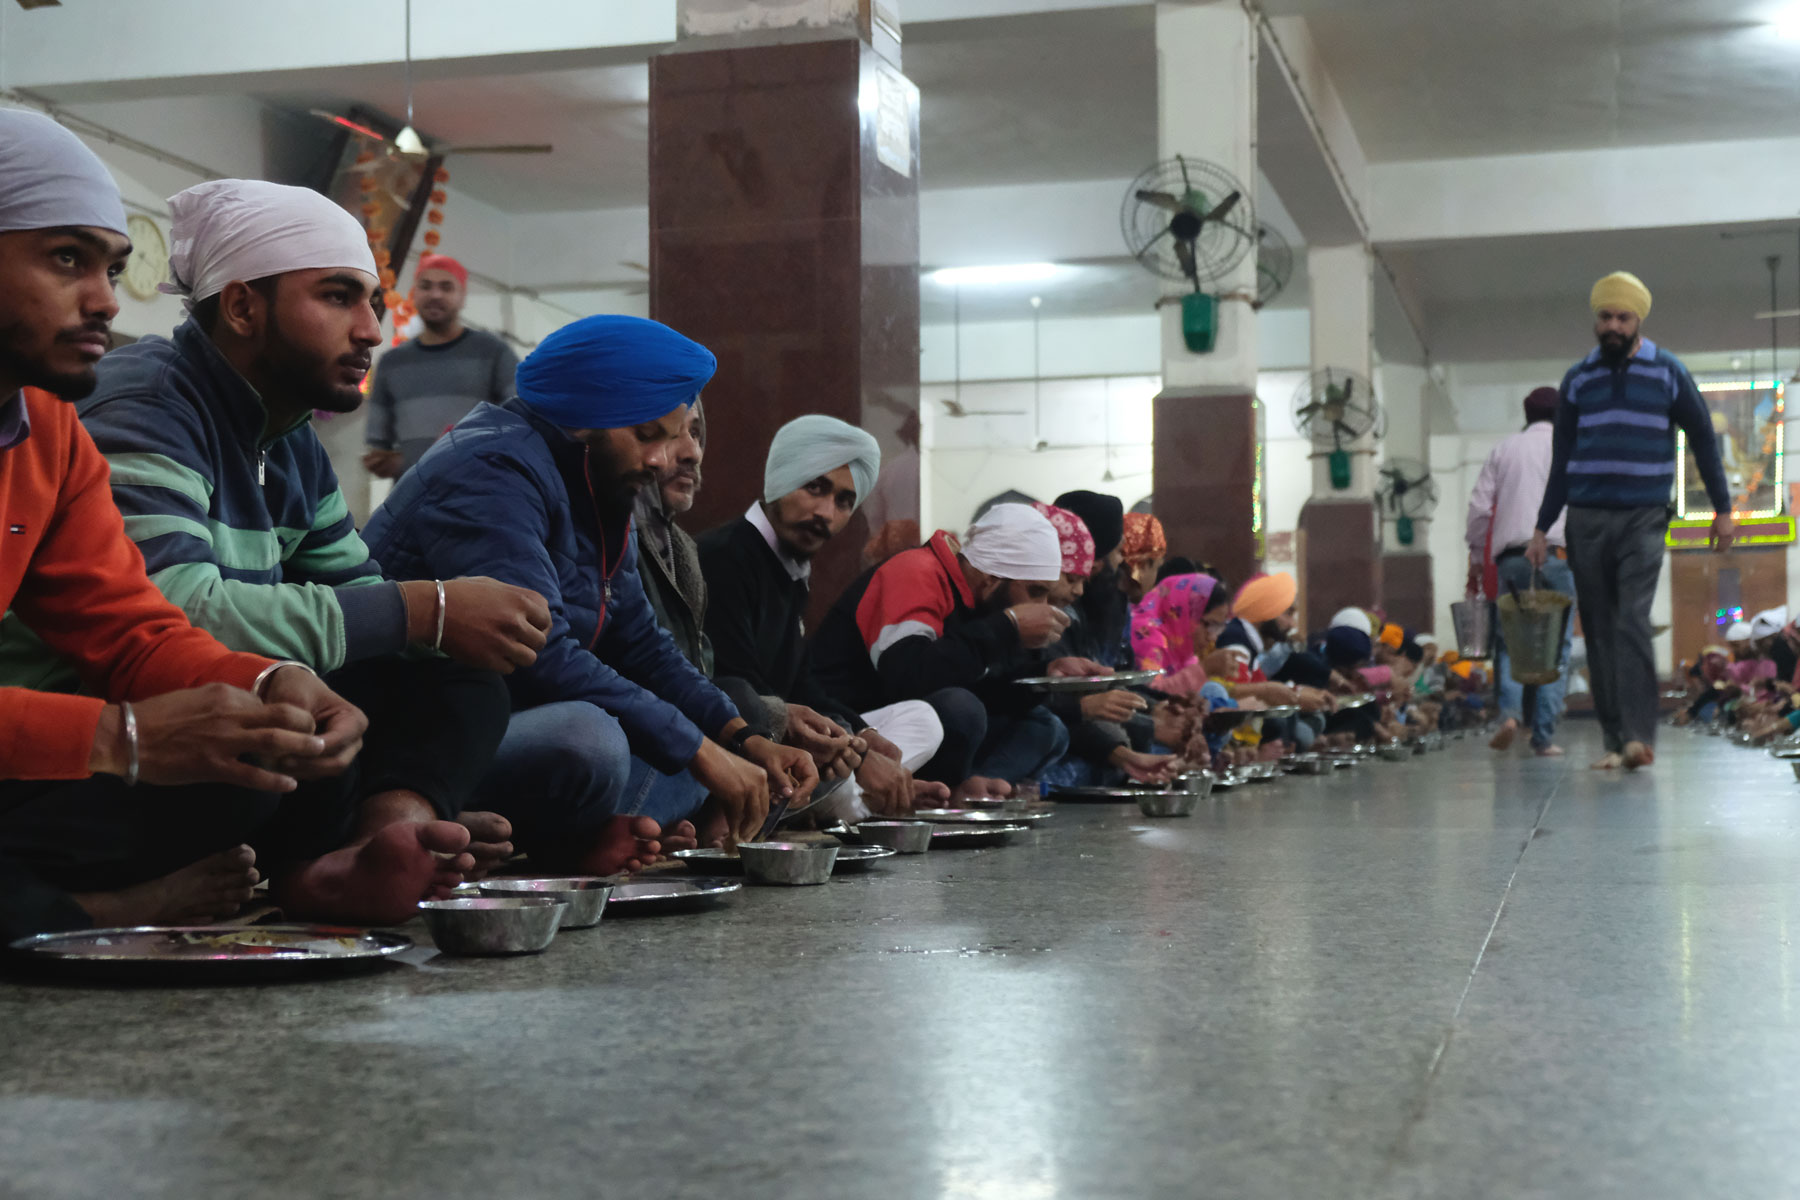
pixel 1184 254
pixel 28 5
pixel 1161 200
pixel 1186 183
pixel 518 148
pixel 1224 206
pixel 1346 429
pixel 347 123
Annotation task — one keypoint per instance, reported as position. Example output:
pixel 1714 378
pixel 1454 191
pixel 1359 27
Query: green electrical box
pixel 1200 322
pixel 1403 529
pixel 1339 462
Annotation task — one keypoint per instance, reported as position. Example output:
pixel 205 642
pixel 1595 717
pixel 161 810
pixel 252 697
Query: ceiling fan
pixel 407 143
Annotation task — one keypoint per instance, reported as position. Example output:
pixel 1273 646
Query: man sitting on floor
pixel 538 492
pixel 234 504
pixel 253 756
pixel 758 570
pixel 951 623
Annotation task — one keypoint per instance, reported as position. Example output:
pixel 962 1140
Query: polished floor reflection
pixel 1455 977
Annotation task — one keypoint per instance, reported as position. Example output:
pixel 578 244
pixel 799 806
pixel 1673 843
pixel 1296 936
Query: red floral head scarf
pixel 1072 533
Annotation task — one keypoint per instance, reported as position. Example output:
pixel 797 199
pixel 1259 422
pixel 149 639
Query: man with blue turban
pixel 758 570
pixel 538 492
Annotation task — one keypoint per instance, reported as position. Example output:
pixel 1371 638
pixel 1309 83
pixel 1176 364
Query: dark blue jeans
pixel 1547 708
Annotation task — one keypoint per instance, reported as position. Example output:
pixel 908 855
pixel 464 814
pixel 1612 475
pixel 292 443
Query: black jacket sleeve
pixel 970 651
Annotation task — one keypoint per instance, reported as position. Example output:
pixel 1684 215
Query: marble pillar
pixel 1206 430
pixel 1339 552
pixel 784 230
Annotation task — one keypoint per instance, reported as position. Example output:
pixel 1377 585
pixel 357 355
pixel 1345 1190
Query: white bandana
pixel 247 229
pixel 1015 541
pixel 50 179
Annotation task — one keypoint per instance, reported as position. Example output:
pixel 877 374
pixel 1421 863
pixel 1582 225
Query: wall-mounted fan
pixel 1406 492
pixel 1274 264
pixel 1334 408
pixel 1189 221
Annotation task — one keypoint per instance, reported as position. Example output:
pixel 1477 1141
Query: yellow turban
pixel 1265 597
pixel 1392 636
pixel 1621 290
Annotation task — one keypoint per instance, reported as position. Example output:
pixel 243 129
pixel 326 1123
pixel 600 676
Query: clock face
pixel 149 261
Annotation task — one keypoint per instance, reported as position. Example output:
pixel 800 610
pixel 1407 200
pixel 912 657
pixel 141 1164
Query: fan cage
pixel 1221 246
pixel 1369 415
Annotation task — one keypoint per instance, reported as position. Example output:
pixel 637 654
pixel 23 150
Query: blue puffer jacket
pixel 505 494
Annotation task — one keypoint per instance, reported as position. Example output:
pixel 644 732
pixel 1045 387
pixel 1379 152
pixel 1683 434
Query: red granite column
pixel 1339 565
pixel 784 235
pixel 1205 473
pixel 1407 592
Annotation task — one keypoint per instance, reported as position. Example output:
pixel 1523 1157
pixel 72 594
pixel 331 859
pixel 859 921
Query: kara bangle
pixel 437 643
pixel 262 680
pixel 131 744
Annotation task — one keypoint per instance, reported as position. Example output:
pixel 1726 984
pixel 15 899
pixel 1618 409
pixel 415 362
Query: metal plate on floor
pixel 1082 684
pixel 715 861
pixel 860 858
pixel 984 816
pixel 644 897
pixel 973 837
pixel 219 952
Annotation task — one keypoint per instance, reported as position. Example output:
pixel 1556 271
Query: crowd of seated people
pixel 212 678
pixel 1750 684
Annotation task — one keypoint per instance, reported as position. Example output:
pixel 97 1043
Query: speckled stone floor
pixel 1460 976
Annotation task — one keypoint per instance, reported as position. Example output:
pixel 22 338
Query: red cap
pixel 443 262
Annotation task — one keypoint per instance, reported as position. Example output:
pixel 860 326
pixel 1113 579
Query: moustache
pixel 357 362
pixel 85 330
pixel 818 529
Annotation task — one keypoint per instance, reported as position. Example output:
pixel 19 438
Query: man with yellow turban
pixel 1613 466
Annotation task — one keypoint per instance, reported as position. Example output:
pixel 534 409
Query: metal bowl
pixel 493 924
pixel 1309 764
pixel 586 895
pixel 908 837
pixel 1168 804
pixel 796 864
pixel 1394 752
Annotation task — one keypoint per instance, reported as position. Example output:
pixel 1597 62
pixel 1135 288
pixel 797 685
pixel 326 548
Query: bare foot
pixel 490 841
pixel 679 836
pixel 210 890
pixel 713 825
pixel 929 795
pixel 379 881
pixel 626 844
pixel 1552 751
pixel 1503 736
pixel 980 787
pixel 1608 762
pixel 1638 755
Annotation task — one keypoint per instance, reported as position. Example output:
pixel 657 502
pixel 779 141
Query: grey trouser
pixel 1616 555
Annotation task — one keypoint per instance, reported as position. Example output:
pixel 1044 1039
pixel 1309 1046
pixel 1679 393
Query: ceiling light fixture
pixel 981 276
pixel 1784 22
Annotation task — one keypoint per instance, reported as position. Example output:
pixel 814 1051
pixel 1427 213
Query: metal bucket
pixel 1471 620
pixel 1532 623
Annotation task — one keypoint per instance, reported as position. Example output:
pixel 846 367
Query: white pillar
pixel 1206 109
pixel 1342 282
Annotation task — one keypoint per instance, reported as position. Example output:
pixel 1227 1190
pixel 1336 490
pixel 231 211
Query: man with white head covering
pixel 235 506
pixel 950 623
pixel 164 703
pixel 539 491
pixel 758 573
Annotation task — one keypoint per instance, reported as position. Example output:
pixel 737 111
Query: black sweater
pixel 755 619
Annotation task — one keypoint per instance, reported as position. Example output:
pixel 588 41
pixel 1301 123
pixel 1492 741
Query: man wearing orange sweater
pixel 246 749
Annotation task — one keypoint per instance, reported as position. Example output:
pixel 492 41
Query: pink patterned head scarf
pixel 1072 533
pixel 1163 623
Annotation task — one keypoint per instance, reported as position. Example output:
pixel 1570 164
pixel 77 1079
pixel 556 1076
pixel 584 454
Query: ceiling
pixel 1436 79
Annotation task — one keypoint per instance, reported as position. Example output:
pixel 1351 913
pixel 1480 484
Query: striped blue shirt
pixel 1615 435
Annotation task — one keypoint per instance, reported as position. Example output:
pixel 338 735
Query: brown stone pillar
pixel 784 236
pixel 1407 593
pixel 1339 567
pixel 1205 471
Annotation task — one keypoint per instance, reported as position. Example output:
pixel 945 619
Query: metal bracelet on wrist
pixel 437 643
pixel 131 743
pixel 268 672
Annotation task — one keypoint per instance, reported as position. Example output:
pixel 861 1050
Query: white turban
pixel 50 179
pixel 1015 541
pixel 1769 622
pixel 1739 631
pixel 808 447
pixel 1425 639
pixel 1353 618
pixel 248 229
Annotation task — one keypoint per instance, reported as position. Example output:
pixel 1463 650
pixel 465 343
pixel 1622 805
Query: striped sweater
pixel 248 534
pixel 1615 435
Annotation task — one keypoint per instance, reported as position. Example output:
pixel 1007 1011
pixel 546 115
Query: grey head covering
pixel 50 179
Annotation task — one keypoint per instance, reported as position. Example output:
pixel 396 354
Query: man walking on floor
pixel 1614 467
pixel 1504 505
pixel 424 387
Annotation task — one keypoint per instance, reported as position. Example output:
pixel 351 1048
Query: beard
pixel 615 489
pixel 1613 347
pixel 30 370
pixel 306 381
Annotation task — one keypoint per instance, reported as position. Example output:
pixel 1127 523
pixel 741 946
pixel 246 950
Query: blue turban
pixel 814 445
pixel 611 372
pixel 1347 647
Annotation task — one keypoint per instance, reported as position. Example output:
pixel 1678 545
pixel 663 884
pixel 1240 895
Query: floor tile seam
pixel 1396 1153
